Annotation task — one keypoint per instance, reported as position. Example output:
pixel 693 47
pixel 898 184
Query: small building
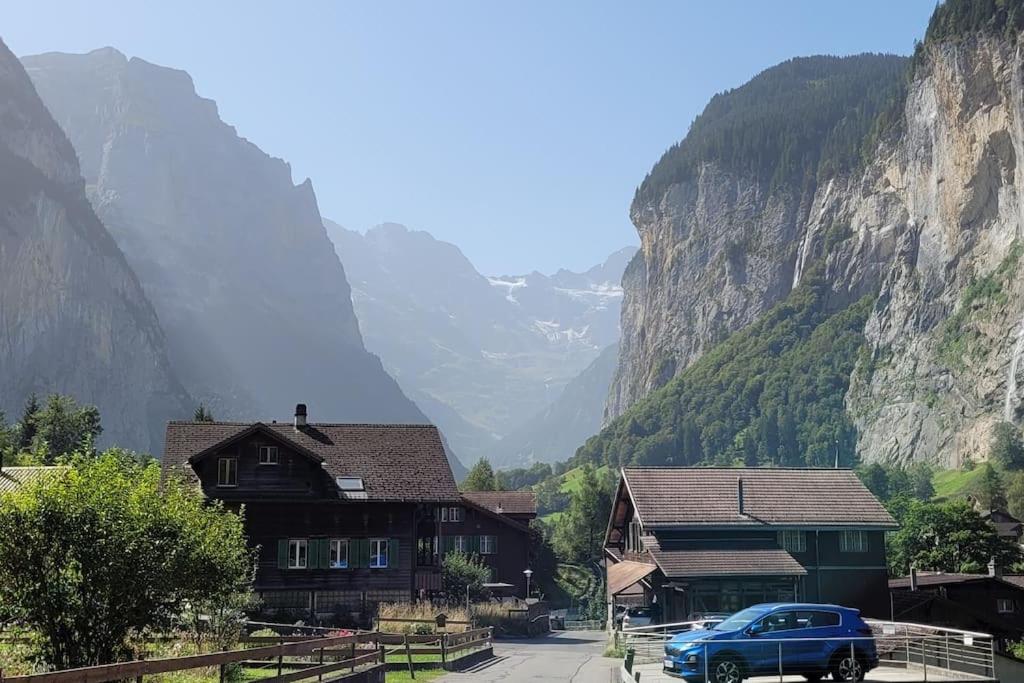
pixel 344 515
pixel 716 540
pixel 1006 525
pixel 990 603
pixel 496 525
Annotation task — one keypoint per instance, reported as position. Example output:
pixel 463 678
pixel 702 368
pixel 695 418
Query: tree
pixel 202 414
pixel 27 425
pixel 480 478
pixel 992 490
pixel 579 531
pixel 104 553
pixel 1007 448
pixel 1015 494
pixel 921 475
pixel 460 572
pixel 949 537
pixel 65 427
pixel 876 478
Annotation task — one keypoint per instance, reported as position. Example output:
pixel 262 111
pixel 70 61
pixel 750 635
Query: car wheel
pixel 848 668
pixel 726 670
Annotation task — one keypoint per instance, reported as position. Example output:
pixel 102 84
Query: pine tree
pixel 202 414
pixel 27 425
pixel 481 477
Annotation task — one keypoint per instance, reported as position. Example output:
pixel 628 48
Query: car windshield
pixel 740 619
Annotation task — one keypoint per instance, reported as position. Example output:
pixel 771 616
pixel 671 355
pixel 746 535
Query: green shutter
pixel 318 553
pixel 282 554
pixel 393 556
pixel 494 544
pixel 325 553
pixel 362 548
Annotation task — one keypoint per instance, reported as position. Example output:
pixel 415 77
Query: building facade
pixel 344 516
pixel 715 540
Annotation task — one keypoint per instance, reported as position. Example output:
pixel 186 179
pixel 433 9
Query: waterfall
pixel 1011 381
pixel 801 256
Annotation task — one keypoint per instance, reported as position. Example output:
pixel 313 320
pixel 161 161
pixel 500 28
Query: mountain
pixel 481 355
pixel 868 239
pixel 234 256
pixel 73 316
pixel 554 433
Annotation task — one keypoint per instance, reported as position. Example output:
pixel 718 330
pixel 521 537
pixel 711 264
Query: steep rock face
pixel 73 317
pixel 487 353
pixel 234 256
pixel 946 336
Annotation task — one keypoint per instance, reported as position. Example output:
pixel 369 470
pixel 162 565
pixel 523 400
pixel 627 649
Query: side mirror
pixel 755 629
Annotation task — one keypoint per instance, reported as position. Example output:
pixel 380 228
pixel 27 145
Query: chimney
pixel 300 415
pixel 913 578
pixel 994 570
pixel 739 495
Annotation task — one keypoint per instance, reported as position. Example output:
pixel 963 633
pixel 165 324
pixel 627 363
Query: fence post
pixel 320 676
pixel 444 653
pixel 408 656
pixel 353 657
pixel 280 656
pixel 222 676
pixel 924 657
pixel 948 665
pixel 780 661
pixel 705 661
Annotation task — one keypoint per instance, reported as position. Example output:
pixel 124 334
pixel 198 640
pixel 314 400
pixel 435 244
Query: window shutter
pixel 393 553
pixel 325 553
pixel 474 544
pixel 362 552
pixel 449 544
pixel 282 554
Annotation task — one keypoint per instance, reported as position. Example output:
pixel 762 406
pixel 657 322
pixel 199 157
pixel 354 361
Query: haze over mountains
pixel 481 355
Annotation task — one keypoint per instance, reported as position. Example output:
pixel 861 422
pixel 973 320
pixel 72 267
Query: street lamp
pixel 528 573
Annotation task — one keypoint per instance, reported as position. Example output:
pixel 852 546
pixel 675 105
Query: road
pixel 566 657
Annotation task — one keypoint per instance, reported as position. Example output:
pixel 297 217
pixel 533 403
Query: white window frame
pixel 334 560
pixel 793 540
pixel 455 514
pixel 297 559
pixel 444 514
pixel 1001 603
pixel 231 465
pixel 488 545
pixel 459 544
pixel 375 553
pixel 272 455
pixel 853 541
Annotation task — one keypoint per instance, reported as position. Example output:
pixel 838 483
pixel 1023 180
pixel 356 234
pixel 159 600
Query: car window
pixel 740 619
pixel 817 619
pixel 779 621
pixel 639 612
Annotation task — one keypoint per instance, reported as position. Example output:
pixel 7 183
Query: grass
pixel 951 483
pixel 423 675
pixel 571 479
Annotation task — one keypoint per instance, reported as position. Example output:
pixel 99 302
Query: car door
pixel 761 650
pixel 817 627
pixel 781 639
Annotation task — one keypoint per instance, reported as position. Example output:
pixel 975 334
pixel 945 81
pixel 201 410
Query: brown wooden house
pixel 497 525
pixel 344 515
pixel 715 540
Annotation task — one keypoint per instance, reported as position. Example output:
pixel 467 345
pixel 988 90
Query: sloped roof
pixel 623 575
pixel 708 496
pixel 505 502
pixel 13 478
pixel 685 563
pixel 925 579
pixel 395 461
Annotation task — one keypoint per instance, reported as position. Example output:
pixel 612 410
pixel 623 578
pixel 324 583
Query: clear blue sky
pixel 517 130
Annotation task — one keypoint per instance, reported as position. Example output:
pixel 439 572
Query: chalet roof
pixel 14 478
pixel 925 579
pixel 505 502
pixel 395 461
pixel 692 563
pixel 625 574
pixel 708 496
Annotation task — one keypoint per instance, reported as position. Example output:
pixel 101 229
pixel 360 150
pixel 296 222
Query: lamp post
pixel 528 573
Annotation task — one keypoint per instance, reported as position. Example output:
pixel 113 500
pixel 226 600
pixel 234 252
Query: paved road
pixel 567 657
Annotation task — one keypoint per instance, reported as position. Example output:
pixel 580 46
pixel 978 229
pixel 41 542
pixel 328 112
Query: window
pixel 268 455
pixel 488 545
pixel 444 514
pixel 853 542
pixel 349 483
pixel 1005 606
pixel 634 535
pixel 378 553
pixel 817 619
pixel 339 553
pixel 459 544
pixel 793 541
pixel 297 553
pixel 455 515
pixel 780 621
pixel 227 472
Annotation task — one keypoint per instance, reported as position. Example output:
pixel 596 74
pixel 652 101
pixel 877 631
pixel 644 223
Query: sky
pixel 517 130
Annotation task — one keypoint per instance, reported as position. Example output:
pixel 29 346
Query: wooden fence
pixel 321 649
pixel 449 648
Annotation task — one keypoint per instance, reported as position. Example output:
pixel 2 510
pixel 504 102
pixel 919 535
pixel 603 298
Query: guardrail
pixel 943 652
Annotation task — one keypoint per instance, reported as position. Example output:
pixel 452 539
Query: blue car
pixel 806 639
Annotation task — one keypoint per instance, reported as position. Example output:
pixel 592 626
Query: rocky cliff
pixel 930 218
pixel 73 316
pixel 233 255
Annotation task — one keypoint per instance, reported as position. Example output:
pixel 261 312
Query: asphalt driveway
pixel 567 657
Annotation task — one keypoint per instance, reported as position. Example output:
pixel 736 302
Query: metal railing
pixel 942 653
